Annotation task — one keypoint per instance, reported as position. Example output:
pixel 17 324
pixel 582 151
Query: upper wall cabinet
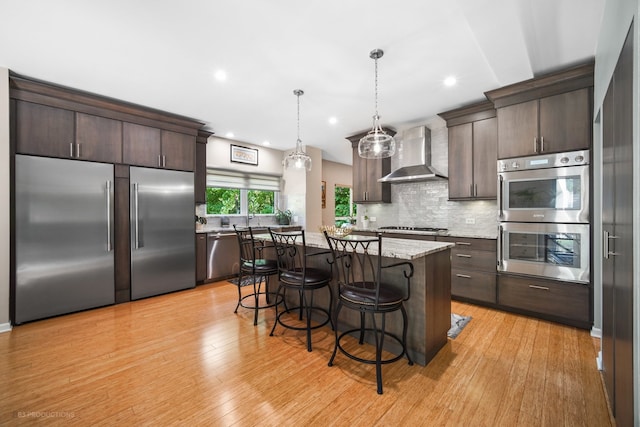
pixel 548 114
pixel 56 121
pixel 56 132
pixel 152 147
pixel 366 188
pixel 201 166
pixel 473 142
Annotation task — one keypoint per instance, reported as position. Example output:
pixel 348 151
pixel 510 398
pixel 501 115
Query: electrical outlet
pixel 372 218
pixel 470 220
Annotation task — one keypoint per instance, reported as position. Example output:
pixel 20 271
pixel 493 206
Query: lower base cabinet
pixel 560 301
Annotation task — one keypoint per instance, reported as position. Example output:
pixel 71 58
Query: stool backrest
pixel 290 250
pixel 247 246
pixel 358 262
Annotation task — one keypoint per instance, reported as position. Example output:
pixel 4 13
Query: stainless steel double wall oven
pixel 543 209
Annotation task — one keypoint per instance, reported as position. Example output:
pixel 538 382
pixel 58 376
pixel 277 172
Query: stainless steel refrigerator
pixel 64 235
pixel 162 231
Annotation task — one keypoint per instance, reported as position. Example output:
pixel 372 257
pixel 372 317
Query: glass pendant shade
pixel 298 159
pixel 376 144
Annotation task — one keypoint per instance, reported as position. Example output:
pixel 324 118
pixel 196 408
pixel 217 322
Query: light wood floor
pixel 186 359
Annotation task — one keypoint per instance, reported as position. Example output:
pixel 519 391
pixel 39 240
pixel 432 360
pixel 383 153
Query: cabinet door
pixel 461 161
pixel 201 257
pixel 565 122
pixel 141 145
pixel 43 130
pixel 485 157
pixel 98 138
pixel 359 170
pixel 179 150
pixel 517 130
pixel 200 185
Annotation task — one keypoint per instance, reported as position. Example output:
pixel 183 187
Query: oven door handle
pixel 500 248
pixel 500 196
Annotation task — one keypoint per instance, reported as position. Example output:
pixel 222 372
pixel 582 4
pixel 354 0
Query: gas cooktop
pixel 428 229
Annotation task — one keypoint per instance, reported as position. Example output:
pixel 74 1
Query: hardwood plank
pixel 187 359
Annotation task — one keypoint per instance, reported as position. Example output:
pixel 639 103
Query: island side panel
pixel 437 302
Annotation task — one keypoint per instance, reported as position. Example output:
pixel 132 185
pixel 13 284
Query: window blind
pixel 222 178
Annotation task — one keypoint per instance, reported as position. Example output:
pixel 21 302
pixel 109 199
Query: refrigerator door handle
pixel 136 235
pixel 109 246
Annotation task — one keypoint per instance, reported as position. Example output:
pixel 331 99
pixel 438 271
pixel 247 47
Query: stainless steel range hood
pixel 414 157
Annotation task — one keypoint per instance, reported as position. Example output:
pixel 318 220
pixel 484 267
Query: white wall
pixel 219 156
pixel 4 199
pixel 334 174
pixel 617 18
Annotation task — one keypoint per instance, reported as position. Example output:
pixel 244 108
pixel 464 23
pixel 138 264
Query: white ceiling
pixel 164 54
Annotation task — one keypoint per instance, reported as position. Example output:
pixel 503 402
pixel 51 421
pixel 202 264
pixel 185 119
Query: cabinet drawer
pixel 470 243
pixel 473 260
pixel 566 300
pixel 475 285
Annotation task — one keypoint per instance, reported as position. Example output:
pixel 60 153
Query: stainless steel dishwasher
pixel 223 256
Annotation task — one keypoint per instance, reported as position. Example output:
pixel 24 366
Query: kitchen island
pixel 429 306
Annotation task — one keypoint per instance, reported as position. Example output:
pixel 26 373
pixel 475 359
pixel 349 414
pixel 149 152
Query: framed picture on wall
pixel 324 194
pixel 244 155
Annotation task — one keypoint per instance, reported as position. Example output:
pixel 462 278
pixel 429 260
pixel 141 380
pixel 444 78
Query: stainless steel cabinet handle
pixel 542 288
pixel 542 144
pixel 535 145
pixel 463 255
pixel 159 160
pixel 136 235
pixel 164 161
pixel 464 276
pixel 109 247
pixel 471 190
pixel 463 243
pixel 71 149
pixel 78 150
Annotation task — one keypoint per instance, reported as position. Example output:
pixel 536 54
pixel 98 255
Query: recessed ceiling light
pixel 229 135
pixel 266 143
pixel 333 120
pixel 220 75
pixel 450 81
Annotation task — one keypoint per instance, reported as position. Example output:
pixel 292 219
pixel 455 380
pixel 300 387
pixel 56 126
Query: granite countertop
pixel 391 248
pixel 449 233
pixel 230 230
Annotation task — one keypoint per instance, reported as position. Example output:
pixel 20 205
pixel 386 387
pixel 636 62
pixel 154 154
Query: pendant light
pixel 376 144
pixel 298 159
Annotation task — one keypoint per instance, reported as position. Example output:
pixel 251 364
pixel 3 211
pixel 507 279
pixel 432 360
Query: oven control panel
pixel 544 161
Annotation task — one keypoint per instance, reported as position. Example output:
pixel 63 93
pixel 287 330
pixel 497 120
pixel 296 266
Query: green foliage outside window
pixel 344 208
pixel 227 201
pixel 261 202
pixel 223 201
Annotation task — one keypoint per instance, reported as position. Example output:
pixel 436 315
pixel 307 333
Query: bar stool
pixel 358 261
pixel 295 275
pixel 254 266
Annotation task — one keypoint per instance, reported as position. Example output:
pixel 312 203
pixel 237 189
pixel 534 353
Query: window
pixel 234 193
pixel 345 208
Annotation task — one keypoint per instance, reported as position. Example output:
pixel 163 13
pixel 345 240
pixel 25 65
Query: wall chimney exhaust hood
pixel 414 156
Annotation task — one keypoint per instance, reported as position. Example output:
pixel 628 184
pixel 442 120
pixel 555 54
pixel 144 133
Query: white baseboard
pixel 5 327
pixel 596 332
pixel 599 361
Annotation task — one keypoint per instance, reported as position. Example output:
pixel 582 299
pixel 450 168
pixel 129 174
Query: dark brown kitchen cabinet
pixel 553 124
pixel 200 185
pixel 473 268
pixel 546 114
pixel 178 150
pixel 43 130
pixel 201 257
pixel 366 172
pixel 98 139
pixel 152 147
pixel 141 145
pixel 473 143
pixel 560 301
